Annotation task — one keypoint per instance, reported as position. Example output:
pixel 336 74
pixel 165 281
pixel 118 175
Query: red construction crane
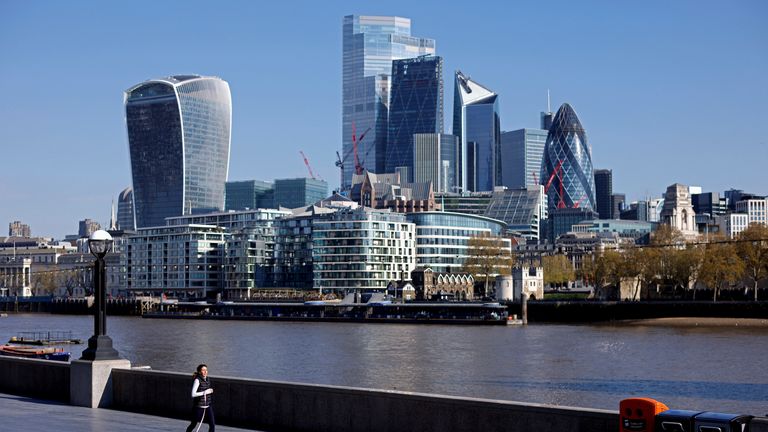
pixel 355 142
pixel 306 162
pixel 552 177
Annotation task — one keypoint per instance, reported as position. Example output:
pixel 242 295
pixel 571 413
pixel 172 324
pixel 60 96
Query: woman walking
pixel 202 407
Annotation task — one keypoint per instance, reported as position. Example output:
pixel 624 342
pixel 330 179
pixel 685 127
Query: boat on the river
pixel 47 353
pixel 45 338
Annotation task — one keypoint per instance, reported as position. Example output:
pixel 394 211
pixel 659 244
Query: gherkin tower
pixel 566 166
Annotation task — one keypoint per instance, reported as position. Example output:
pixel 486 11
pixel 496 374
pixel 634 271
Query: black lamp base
pixel 100 348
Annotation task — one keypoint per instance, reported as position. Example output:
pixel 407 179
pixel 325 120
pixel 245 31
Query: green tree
pixel 753 250
pixel 488 256
pixel 721 265
pixel 558 270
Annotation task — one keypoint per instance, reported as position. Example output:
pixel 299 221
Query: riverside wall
pixel 283 406
pixel 600 311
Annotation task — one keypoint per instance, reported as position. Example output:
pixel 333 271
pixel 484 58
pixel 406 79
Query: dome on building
pixel 567 163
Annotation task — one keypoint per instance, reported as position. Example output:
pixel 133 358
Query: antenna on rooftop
pixel 549 109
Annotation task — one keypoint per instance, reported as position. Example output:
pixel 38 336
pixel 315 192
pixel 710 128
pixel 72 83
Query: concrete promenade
pixel 19 413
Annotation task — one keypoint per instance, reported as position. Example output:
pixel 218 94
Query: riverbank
pixel 696 322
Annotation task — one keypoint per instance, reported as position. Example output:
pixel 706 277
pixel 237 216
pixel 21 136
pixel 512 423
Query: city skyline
pixel 659 93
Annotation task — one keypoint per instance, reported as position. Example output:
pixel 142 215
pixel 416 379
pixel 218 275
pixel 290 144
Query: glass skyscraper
pixel 251 194
pixel 521 153
pixel 568 163
pixel 476 123
pixel 370 44
pixel 436 158
pixel 179 139
pixel 603 193
pixel 299 192
pixel 125 210
pixel 416 107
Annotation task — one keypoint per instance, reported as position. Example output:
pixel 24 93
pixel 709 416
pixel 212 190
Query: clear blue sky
pixel 668 91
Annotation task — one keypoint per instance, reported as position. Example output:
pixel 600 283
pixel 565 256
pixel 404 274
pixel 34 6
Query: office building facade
pixel 299 192
pixel 604 192
pixel 416 107
pixel 179 141
pixel 249 194
pixel 125 217
pixel 442 238
pixel 568 162
pixel 618 205
pixel 476 123
pixel 436 159
pixel 370 44
pixel 523 210
pixel 521 153
pixel 756 210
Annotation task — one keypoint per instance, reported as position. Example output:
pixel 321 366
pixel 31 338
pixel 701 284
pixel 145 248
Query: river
pixel 704 368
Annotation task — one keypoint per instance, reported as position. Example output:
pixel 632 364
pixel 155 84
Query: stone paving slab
pixel 18 413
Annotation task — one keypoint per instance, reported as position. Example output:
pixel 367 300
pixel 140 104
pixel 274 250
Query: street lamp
pixel 100 345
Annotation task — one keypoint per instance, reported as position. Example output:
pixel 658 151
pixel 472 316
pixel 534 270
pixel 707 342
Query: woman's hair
pixel 199 368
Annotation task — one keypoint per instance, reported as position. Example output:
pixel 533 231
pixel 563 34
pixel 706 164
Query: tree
pixel 721 265
pixel 44 282
pixel 753 250
pixel 488 256
pixel 686 264
pixel 668 241
pixel 558 270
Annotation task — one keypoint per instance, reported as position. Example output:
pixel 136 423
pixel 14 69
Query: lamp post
pixel 100 345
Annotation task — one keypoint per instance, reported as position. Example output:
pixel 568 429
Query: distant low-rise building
pixel 678 211
pixel 15 276
pixel 732 224
pixel 451 286
pixel 18 229
pixel 385 191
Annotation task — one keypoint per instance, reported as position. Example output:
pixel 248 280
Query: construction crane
pixel 355 143
pixel 306 162
pixel 557 172
pixel 341 161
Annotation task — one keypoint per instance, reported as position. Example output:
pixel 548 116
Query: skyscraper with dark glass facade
pixel 476 123
pixel 370 44
pixel 604 192
pixel 568 162
pixel 416 107
pixel 179 140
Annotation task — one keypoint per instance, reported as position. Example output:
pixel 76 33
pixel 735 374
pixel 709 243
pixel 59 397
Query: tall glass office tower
pixel 416 107
pixel 568 162
pixel 370 44
pixel 476 123
pixel 179 140
pixel 521 152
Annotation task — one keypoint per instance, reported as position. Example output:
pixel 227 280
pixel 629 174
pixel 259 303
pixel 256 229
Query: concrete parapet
pixel 279 406
pixel 91 382
pixel 45 379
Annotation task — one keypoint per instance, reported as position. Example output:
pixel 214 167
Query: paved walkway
pixel 18 413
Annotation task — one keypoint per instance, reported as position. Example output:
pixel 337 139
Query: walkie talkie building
pixel 566 169
pixel 179 140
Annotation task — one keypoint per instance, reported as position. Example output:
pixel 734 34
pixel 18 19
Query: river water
pixel 704 368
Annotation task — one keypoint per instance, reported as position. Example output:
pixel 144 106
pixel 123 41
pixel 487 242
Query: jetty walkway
pixel 21 413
